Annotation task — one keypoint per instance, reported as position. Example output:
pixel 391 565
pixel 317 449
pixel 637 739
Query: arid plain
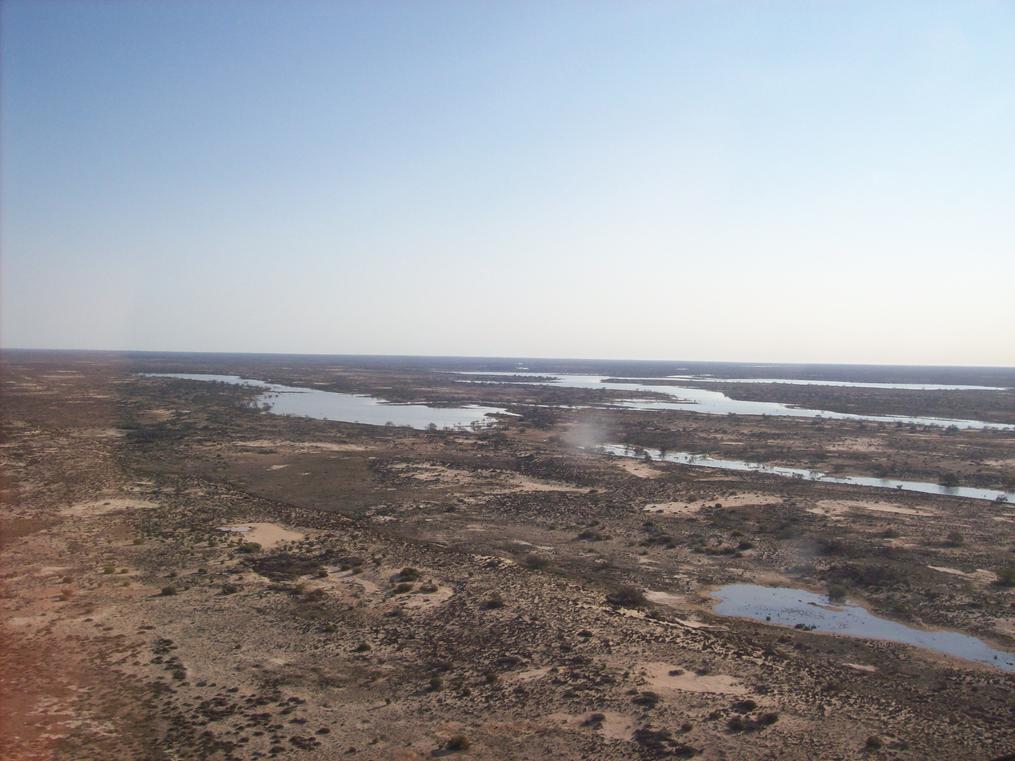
pixel 187 575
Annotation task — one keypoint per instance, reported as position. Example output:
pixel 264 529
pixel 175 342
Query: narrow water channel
pixel 704 461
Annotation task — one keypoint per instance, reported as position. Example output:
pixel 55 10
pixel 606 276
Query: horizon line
pixel 489 357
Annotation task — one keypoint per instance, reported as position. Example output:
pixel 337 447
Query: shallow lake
pixel 841 384
pixel 708 402
pixel 789 607
pixel 348 408
pixel 704 461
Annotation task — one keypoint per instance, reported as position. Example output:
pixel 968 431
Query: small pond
pixel 791 607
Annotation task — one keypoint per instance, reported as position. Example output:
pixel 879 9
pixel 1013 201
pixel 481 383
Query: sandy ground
pixel 268 535
pixel 397 589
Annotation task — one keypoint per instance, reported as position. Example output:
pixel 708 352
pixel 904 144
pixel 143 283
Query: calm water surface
pixel 843 384
pixel 705 401
pixel 704 461
pixel 789 607
pixel 349 408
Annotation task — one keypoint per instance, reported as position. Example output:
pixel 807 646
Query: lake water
pixel 708 402
pixel 843 384
pixel 348 408
pixel 788 607
pixel 703 461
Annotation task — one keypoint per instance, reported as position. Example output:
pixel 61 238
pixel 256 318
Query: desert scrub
pixel 457 743
pixel 167 591
pixel 837 591
pixel 954 539
pixel 1006 575
pixel 626 596
pixel 535 562
pixel 493 602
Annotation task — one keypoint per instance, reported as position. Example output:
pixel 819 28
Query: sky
pixel 745 181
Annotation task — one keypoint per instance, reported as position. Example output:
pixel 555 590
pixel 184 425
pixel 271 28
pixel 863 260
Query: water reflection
pixel 794 607
pixel 704 461
pixel 708 402
pixel 349 408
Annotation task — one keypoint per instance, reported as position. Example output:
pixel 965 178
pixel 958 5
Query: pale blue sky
pixel 772 181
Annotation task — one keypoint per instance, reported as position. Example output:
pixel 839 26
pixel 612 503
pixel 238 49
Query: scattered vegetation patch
pixel 661 743
pixel 626 597
pixel 285 566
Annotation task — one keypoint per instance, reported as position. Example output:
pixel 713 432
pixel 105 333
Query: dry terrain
pixel 187 576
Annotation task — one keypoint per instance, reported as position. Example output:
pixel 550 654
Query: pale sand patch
pixel 104 506
pixel 834 507
pixel 267 535
pixel 735 500
pixel 1008 462
pixel 660 679
pixel 302 446
pixel 857 444
pixel 492 481
pixel 530 675
pixel 862 667
pixel 616 726
pixel 417 600
pixel 980 574
pixel 664 598
pixel 639 469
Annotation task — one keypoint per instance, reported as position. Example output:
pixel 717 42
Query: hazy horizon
pixel 714 182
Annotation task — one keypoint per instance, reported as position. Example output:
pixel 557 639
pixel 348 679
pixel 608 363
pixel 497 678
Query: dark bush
pixel 645 699
pixel 626 597
pixel 1006 576
pixel 954 539
pixel 493 602
pixel 837 591
pixel 457 743
pixel 535 562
